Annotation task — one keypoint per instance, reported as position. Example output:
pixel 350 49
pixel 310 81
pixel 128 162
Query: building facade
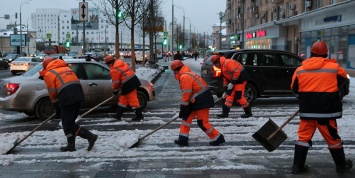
pixel 64 25
pixel 294 25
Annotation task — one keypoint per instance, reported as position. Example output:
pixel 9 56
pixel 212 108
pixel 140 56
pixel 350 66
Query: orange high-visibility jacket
pixel 316 83
pixel 232 71
pixel 195 91
pixel 62 83
pixel 123 77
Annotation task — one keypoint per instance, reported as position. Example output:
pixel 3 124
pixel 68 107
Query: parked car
pixel 3 64
pixel 10 57
pixel 41 56
pixel 270 72
pixel 23 64
pixel 94 77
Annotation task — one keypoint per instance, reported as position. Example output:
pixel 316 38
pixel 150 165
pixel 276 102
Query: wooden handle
pixel 283 125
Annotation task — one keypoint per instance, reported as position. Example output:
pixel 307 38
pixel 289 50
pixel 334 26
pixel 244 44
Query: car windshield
pixel 33 70
pixel 11 55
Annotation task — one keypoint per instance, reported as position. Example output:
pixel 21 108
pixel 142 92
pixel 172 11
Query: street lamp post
pixel 22 3
pixel 190 31
pixel 28 41
pixel 183 28
pixel 242 43
pixel 221 14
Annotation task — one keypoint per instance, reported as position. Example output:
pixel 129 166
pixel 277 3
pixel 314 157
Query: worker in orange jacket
pixel 316 83
pixel 234 81
pixel 196 101
pixel 125 82
pixel 66 94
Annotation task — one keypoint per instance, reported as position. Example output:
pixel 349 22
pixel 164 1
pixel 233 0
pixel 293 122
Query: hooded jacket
pixel 232 71
pixel 195 91
pixel 316 83
pixel 62 83
pixel 123 77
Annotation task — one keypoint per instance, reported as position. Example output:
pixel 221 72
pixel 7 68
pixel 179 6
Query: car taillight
pixel 26 64
pixel 11 88
pixel 216 71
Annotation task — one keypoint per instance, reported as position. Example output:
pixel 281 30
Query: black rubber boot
pixel 219 141
pixel 84 133
pixel 181 142
pixel 225 112
pixel 139 115
pixel 70 146
pixel 299 160
pixel 342 165
pixel 118 115
pixel 247 111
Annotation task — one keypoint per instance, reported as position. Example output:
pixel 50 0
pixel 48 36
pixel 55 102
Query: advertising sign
pixel 15 40
pixel 92 22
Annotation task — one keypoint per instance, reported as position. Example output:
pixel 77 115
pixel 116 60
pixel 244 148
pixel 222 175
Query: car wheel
pixel 142 98
pixel 44 108
pixel 13 72
pixel 250 93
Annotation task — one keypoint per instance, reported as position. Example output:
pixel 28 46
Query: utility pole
pixel 242 43
pixel 152 27
pixel 117 35
pixel 172 28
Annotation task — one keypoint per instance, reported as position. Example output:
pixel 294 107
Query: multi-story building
pixel 294 25
pixel 63 25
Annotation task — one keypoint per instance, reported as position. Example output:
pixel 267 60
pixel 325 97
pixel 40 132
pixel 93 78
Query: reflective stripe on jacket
pixel 195 91
pixel 232 71
pixel 62 83
pixel 123 77
pixel 316 85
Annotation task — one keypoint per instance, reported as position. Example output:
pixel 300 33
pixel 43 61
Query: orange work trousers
pixel 237 94
pixel 202 121
pixel 130 99
pixel 328 129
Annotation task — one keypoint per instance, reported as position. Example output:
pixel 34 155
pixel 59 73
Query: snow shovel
pixel 18 141
pixel 270 136
pixel 176 116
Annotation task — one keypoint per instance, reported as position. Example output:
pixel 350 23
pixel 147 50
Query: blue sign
pixel 335 18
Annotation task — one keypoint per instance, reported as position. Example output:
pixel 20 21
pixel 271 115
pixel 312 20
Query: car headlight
pixel 10 59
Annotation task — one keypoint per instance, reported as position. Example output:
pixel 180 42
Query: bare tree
pixel 134 12
pixel 179 35
pixel 142 24
pixel 110 10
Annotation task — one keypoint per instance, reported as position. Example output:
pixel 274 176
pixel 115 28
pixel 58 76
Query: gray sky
pixel 203 13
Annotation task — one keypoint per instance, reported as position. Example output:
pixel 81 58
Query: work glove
pixel 41 77
pixel 184 111
pixel 57 110
pixel 230 86
pixel 115 92
pixel 224 95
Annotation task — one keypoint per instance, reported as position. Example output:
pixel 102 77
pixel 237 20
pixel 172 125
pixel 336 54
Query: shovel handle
pixel 17 142
pixel 283 125
pixel 176 116
pixel 87 112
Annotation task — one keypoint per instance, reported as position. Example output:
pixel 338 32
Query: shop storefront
pixel 268 37
pixel 336 27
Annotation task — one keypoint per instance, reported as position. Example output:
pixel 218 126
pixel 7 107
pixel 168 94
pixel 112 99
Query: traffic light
pixel 119 14
pixel 180 47
pixel 67 44
pixel 165 42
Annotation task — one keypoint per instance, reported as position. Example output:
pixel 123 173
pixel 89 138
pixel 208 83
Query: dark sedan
pixel 4 64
